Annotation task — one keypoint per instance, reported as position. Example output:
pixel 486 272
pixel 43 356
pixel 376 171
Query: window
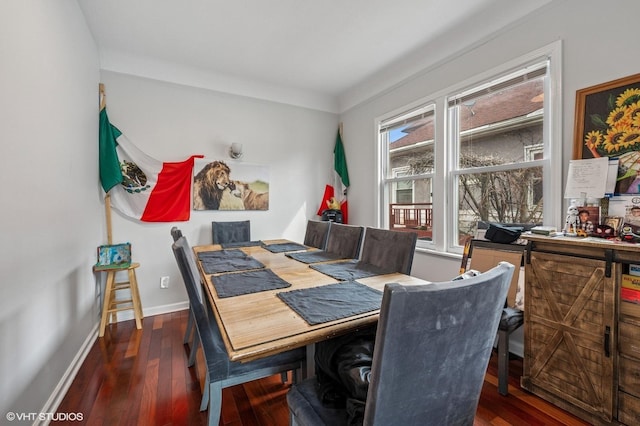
pixel 408 141
pixel 492 155
pixel 492 127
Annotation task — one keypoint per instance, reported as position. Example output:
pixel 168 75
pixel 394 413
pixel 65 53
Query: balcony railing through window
pixel 412 217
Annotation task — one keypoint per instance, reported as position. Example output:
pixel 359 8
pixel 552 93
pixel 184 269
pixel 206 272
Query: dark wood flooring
pixel 140 377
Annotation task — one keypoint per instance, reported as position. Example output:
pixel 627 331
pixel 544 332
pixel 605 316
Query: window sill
pixel 433 252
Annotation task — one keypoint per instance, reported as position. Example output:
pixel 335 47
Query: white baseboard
pixel 165 309
pixel 155 310
pixel 63 385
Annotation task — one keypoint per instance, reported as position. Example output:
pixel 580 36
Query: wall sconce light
pixel 235 151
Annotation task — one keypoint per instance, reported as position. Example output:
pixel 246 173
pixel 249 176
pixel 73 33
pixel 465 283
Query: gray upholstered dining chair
pixel 388 250
pixel 176 233
pixel 432 348
pixel 231 232
pixel 220 371
pixel 344 240
pixel 189 334
pixel 343 244
pixel 316 234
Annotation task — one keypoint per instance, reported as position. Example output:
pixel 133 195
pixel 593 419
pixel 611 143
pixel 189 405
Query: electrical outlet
pixel 164 282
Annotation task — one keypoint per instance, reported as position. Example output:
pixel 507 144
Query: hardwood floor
pixel 140 377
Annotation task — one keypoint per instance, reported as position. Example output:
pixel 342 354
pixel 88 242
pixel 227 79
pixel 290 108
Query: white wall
pixel 593 53
pixel 170 122
pixel 51 209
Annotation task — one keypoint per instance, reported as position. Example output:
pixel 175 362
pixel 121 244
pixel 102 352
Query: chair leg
pixel 187 333
pixel 193 349
pixel 503 362
pixel 215 403
pixel 135 297
pixel 204 403
pixel 106 304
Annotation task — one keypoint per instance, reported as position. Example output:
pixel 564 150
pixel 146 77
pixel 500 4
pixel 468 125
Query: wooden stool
pixel 111 304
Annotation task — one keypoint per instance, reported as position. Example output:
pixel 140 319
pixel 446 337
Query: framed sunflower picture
pixel 607 124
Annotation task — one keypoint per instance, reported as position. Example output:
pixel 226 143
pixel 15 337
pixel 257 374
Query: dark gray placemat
pixel 349 270
pixel 220 254
pixel 229 264
pixel 333 301
pixel 283 247
pixel 236 284
pixel 242 244
pixel 314 256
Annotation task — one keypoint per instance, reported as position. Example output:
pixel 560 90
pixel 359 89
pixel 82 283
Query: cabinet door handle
pixel 608 255
pixel 607 341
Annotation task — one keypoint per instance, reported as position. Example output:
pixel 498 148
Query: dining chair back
pixel 231 232
pixel 432 348
pixel 391 251
pixel 344 240
pixel 175 233
pixel 220 371
pixel 316 234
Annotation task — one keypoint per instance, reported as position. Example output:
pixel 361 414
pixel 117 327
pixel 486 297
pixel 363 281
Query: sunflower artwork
pixel 608 125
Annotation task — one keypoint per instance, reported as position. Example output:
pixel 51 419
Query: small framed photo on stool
pixel 114 256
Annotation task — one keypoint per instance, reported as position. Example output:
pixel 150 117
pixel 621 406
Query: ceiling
pixel 324 48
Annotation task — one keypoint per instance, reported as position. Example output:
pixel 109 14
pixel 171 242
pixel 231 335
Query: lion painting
pixel 209 185
pixel 251 199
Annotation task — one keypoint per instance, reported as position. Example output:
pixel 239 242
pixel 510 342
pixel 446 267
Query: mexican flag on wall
pixel 340 183
pixel 142 187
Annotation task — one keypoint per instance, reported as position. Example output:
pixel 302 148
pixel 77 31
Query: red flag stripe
pixel 170 200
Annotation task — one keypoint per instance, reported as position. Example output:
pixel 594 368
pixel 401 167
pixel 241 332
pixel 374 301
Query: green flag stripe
pixel 340 161
pixel 109 164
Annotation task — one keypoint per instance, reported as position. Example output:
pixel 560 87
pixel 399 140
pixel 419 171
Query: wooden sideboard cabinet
pixel 629 363
pixel 581 341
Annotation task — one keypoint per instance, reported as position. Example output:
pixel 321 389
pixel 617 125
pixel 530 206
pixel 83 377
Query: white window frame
pixel 444 226
pixel 382 199
pixel 529 153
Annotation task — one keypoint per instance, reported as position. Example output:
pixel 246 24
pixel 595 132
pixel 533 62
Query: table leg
pixel 310 368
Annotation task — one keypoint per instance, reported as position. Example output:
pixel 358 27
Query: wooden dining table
pixel 260 324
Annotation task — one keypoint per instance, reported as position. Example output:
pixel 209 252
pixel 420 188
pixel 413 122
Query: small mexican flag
pixel 141 187
pixel 338 188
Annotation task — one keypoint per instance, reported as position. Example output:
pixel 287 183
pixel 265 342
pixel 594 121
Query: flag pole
pixel 103 96
pixel 107 197
pixel 107 210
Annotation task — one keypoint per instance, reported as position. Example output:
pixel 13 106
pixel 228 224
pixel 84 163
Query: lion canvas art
pixel 218 185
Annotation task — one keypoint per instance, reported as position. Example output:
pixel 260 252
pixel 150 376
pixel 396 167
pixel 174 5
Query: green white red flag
pixel 340 182
pixel 142 187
